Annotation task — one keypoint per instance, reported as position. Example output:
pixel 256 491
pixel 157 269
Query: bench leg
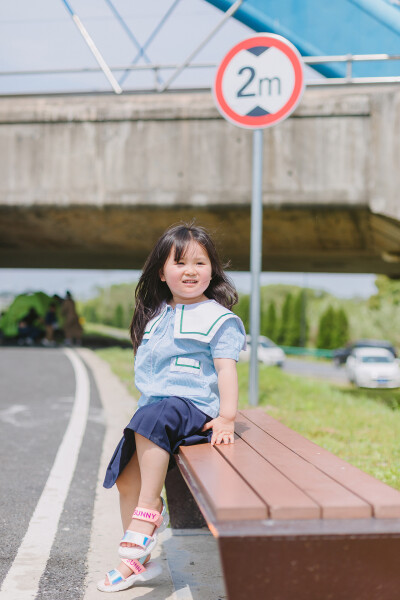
pixel 334 568
pixel 183 510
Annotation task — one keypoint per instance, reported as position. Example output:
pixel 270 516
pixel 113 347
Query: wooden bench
pixel 292 521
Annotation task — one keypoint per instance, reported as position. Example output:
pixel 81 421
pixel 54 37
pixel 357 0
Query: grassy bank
pixel 360 426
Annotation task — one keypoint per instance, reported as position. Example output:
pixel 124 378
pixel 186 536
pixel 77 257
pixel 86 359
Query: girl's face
pixel 188 278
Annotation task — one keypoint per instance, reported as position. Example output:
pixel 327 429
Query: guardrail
pixel 156 69
pixel 314 352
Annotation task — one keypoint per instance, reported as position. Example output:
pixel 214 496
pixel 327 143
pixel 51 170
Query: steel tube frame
pixel 231 11
pixel 94 50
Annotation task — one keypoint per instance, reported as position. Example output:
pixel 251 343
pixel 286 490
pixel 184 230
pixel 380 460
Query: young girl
pixel 186 342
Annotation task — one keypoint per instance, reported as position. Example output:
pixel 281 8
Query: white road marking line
pixel 22 580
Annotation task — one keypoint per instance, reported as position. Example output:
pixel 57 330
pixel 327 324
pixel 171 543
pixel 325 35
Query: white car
pixel 268 352
pixel 373 368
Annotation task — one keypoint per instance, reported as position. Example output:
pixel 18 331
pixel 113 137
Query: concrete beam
pixel 91 181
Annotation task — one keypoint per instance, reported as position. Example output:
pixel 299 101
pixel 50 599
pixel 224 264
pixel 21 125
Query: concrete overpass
pixel 91 181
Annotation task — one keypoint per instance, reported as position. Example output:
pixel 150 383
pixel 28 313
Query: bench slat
pixel 385 500
pixel 336 502
pixel 227 494
pixel 284 499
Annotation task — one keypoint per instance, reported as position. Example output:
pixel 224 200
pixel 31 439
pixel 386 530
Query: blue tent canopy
pixel 326 28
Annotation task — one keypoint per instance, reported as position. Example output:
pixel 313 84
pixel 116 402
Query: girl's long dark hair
pixel 151 292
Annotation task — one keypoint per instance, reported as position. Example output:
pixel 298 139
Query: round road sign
pixel 259 82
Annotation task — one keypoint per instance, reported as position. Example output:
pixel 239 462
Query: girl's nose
pixel 190 270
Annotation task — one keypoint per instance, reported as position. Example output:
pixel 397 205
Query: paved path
pixel 60 528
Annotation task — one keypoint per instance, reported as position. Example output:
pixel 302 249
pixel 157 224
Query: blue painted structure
pixel 330 27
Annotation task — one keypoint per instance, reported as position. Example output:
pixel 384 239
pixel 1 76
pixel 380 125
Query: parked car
pixel 373 368
pixel 268 352
pixel 341 355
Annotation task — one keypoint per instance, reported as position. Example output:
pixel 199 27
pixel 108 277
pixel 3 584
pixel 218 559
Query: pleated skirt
pixel 170 423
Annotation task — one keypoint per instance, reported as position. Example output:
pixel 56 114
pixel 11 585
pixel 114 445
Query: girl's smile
pixel 189 277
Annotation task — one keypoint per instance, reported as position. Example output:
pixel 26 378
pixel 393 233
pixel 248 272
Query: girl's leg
pixel 153 465
pixel 140 484
pixel 129 484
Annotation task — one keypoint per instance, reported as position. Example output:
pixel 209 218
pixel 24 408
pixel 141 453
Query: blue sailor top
pixel 176 355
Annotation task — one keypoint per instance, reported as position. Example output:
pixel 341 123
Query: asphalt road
pixel 318 370
pixel 38 394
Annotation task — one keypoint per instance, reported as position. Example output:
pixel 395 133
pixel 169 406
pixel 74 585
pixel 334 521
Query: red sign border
pixel 265 120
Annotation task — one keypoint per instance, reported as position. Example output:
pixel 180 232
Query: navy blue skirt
pixel 169 423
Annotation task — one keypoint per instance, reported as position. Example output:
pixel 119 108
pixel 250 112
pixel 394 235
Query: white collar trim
pixel 199 321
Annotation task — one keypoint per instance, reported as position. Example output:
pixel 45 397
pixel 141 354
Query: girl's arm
pixel 223 426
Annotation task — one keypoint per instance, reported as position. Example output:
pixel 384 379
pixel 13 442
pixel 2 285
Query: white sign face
pixel 259 82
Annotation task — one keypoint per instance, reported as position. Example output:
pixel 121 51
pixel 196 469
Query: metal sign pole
pixel 255 262
pixel 267 107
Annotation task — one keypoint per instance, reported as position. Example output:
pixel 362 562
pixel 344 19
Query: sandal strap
pixel 114 577
pixel 146 514
pixel 134 565
pixel 139 539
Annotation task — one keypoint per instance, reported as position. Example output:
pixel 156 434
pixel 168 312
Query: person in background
pixel 28 328
pixel 51 324
pixel 72 327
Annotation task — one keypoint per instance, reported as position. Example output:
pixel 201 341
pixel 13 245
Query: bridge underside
pixel 310 239
pixel 92 181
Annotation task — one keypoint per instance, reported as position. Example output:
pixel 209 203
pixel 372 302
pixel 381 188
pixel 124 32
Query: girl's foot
pixel 125 570
pixel 128 574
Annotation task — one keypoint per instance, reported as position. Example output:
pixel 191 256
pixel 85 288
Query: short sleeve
pixel 228 341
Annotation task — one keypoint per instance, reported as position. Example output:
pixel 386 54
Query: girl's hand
pixel 222 430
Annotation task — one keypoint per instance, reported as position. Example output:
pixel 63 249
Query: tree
pixel 119 316
pixel 326 329
pixel 90 313
pixel 341 329
pixel 304 328
pixel 334 329
pixel 269 322
pixel 242 310
pixel 293 331
pixel 283 326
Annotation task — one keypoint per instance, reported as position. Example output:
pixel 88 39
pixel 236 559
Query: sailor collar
pixel 199 321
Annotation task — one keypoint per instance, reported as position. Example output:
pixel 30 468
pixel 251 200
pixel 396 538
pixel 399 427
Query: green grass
pixel 105 331
pixel 121 362
pixel 360 426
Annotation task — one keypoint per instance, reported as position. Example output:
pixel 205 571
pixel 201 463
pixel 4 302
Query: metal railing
pixel 349 60
pixel 157 69
pixel 311 352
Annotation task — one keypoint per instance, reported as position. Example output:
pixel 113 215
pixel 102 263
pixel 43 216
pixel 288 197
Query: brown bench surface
pixel 272 472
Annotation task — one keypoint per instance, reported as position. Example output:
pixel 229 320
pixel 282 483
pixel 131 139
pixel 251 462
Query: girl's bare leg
pixel 153 465
pixel 129 484
pixel 140 484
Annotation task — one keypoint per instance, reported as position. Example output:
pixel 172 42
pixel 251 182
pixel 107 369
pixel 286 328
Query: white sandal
pixel 117 582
